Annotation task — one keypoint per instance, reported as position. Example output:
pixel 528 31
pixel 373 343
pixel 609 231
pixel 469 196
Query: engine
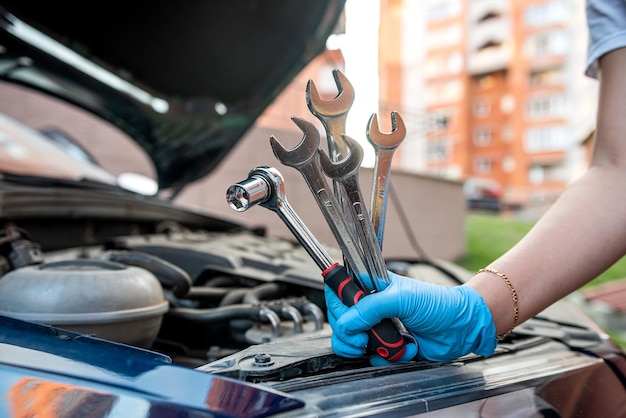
pixel 195 296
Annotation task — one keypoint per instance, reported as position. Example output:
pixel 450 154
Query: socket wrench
pixel 265 187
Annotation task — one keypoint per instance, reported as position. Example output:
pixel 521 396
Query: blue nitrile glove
pixel 336 307
pixel 446 321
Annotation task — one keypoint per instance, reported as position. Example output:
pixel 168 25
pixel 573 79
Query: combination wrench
pixel 332 113
pixel 305 158
pixel 346 173
pixel 265 187
pixel 384 145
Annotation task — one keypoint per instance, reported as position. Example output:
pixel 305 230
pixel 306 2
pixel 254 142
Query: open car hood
pixel 185 81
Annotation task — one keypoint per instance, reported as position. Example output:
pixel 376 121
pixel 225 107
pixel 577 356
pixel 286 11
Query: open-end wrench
pixel 265 186
pixel 346 172
pixel 332 113
pixel 384 145
pixel 305 158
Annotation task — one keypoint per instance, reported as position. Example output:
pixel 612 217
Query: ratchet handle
pixel 385 338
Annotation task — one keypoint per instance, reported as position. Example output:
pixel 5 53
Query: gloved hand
pixel 446 321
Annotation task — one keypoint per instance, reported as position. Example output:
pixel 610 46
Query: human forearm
pixel 584 232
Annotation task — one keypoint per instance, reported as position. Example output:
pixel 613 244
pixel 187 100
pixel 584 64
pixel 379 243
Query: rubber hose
pixel 224 313
pixel 169 275
pixel 261 292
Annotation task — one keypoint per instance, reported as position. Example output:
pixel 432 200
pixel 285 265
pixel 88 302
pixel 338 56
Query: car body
pixel 483 194
pixel 119 304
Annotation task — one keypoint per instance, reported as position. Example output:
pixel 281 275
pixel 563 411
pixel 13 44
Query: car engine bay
pixel 224 291
pixel 194 295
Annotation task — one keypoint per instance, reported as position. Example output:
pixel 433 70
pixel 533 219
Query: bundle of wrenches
pixel 360 240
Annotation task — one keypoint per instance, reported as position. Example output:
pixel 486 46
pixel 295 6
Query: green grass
pixel 489 236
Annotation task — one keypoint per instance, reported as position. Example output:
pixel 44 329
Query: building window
pixel 555 42
pixel 508 163
pixel 545 77
pixel 481 108
pixel 438 150
pixel 443 64
pixel 486 81
pixel 439 121
pixel 541 173
pixel 482 136
pixel 507 103
pixel 541 107
pixel 546 13
pixel 443 10
pixel 446 36
pixel 482 165
pixel 535 174
pixel 545 139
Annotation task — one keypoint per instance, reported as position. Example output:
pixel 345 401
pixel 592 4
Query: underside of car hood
pixel 184 80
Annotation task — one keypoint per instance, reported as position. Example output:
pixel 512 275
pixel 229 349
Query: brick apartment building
pixel 502 97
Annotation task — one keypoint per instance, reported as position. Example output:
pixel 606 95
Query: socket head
pixel 264 186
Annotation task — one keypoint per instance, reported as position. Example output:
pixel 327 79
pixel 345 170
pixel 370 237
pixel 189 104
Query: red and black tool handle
pixel 385 338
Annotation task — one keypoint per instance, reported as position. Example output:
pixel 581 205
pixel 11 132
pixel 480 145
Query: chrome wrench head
pixel 304 152
pixel 383 140
pixel 349 166
pixel 332 113
pixel 338 106
pixel 264 186
pixel 384 145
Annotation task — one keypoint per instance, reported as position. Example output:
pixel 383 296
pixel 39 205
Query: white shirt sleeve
pixel 606 20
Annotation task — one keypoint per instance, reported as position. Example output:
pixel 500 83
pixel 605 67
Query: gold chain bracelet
pixel 513 295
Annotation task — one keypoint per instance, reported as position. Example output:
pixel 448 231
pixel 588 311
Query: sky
pixel 360 49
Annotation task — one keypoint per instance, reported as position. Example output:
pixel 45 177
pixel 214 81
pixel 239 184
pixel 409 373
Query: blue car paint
pixel 71 373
